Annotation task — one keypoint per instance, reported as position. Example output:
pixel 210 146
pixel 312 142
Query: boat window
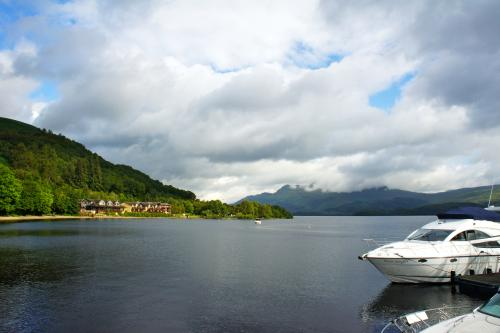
pixel 460 237
pixel 470 235
pixel 430 235
pixel 481 235
pixel 488 244
pixel 492 307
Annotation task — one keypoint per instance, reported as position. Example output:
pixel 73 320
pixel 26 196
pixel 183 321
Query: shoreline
pixel 69 217
pixel 34 218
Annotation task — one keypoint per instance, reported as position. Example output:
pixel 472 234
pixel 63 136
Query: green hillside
pixel 54 169
pixel 44 173
pixel 375 201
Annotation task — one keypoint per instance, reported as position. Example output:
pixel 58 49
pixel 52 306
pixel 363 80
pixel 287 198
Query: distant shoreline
pixel 34 218
pixel 27 218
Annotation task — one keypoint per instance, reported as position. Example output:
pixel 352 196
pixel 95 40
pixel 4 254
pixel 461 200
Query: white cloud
pixel 216 96
pixel 15 88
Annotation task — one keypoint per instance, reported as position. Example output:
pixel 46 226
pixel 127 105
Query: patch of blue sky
pixel 304 56
pixel 5 43
pixel 46 92
pixel 385 99
pixel 322 62
pixel 11 11
pixel 71 21
pixel 224 70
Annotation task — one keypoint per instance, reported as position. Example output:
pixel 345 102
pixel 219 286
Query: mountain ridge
pixel 373 201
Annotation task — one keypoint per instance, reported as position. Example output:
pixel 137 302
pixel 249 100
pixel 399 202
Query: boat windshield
pixel 430 235
pixel 492 308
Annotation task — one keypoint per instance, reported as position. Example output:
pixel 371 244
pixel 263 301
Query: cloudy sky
pixel 229 98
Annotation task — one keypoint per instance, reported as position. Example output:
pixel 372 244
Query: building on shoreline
pixel 147 207
pixel 103 207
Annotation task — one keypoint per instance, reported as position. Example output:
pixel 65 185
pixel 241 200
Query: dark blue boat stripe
pixel 423 276
pixel 451 257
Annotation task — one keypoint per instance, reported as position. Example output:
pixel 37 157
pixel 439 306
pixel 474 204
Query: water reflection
pixel 59 230
pixel 29 279
pixel 202 275
pixel 39 232
pixel 399 299
pixel 30 266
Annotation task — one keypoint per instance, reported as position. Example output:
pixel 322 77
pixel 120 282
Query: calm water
pixel 204 276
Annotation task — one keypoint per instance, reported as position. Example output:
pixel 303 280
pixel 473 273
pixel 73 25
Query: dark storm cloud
pixel 461 45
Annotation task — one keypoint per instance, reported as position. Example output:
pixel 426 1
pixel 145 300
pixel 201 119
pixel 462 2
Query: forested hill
pixel 375 201
pixel 50 168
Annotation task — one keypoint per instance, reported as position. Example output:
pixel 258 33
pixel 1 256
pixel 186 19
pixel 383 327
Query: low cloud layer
pixel 235 98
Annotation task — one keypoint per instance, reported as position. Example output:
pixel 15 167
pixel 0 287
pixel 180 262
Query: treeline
pixel 45 173
pixel 25 193
pixel 33 196
pixel 218 209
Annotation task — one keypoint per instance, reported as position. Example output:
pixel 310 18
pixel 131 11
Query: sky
pixel 231 98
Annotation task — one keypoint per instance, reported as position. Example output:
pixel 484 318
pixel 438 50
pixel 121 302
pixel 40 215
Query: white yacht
pixel 461 242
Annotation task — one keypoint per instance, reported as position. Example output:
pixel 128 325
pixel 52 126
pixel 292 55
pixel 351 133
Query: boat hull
pixel 433 270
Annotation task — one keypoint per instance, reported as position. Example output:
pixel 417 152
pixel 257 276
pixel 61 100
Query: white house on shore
pixel 94 207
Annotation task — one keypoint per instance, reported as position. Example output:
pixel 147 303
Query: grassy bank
pixel 65 217
pixel 25 218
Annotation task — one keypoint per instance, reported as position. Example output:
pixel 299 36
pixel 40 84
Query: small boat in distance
pixel 258 221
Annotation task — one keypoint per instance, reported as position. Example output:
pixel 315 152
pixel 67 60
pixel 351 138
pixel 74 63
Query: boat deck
pixel 480 285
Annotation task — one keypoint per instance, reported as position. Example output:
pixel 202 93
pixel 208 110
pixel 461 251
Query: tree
pixel 217 208
pixel 81 173
pixel 188 207
pixel 96 173
pixel 177 207
pixel 36 198
pixel 65 201
pixel 265 211
pixel 10 190
pixel 247 208
pixel 48 164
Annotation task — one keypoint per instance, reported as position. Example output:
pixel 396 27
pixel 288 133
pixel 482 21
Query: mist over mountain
pixel 374 201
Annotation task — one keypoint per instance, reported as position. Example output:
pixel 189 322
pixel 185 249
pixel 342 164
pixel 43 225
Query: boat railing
pixel 381 241
pixel 418 321
pixel 387 240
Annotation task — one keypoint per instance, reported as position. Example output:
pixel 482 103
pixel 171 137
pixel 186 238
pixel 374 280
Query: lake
pixel 171 275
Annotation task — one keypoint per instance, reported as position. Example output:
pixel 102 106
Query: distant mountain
pixel 374 201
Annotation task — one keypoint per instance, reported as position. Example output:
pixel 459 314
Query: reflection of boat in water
pixel 484 319
pixel 396 299
pixel 464 241
pixel 421 321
